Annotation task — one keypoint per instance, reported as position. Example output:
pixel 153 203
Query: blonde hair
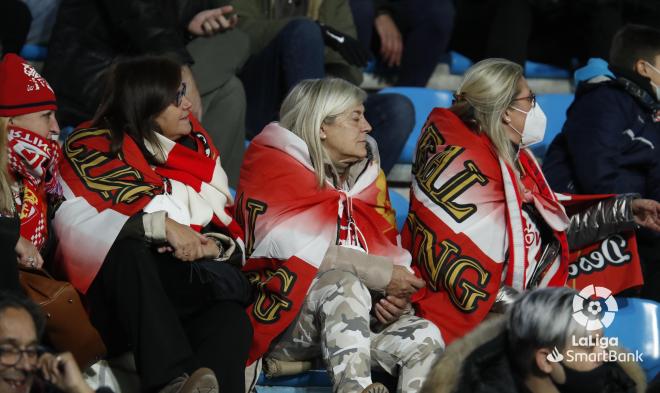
pixel 314 102
pixel 6 197
pixel 486 91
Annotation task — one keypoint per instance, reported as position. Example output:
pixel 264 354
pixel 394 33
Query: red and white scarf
pixel 290 223
pixel 103 190
pixel 33 160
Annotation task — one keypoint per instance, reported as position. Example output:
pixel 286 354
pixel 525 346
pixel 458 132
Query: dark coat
pixel 90 34
pixel 610 143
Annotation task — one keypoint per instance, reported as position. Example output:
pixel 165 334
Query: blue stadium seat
pixel 458 64
pixel 424 100
pixel 34 52
pixel 554 105
pixel 400 206
pixel 636 326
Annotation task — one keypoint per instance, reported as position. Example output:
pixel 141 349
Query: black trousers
pixel 9 233
pixel 154 305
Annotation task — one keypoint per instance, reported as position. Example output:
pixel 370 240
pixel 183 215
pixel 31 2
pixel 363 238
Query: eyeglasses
pixel 531 98
pixel 180 94
pixel 10 355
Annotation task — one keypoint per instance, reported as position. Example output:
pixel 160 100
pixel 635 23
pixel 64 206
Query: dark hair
pixel 632 43
pixel 11 300
pixel 137 90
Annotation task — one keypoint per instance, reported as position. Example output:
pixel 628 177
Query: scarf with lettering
pixel 103 191
pixel 34 160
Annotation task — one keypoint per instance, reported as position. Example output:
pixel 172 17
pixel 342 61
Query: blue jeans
pixel 296 53
pixel 392 117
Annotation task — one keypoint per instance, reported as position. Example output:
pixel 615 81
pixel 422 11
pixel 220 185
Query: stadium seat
pixel 424 100
pixel 400 206
pixel 554 105
pixel 458 64
pixel 636 326
pixel 33 52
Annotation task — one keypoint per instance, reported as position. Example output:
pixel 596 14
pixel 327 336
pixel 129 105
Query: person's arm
pixel 149 27
pixel 63 372
pixel 595 136
pixel 604 218
pixel 374 271
pixel 337 14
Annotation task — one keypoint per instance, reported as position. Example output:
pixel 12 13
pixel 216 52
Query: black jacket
pixel 89 34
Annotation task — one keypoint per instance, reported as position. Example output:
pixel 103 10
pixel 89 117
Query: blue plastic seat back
pixel 458 64
pixel 34 52
pixel 554 105
pixel 400 205
pixel 636 326
pixel 424 100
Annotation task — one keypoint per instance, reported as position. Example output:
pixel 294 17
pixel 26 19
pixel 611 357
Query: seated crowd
pixel 305 262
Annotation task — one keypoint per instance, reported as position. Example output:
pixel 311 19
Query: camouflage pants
pixel 334 323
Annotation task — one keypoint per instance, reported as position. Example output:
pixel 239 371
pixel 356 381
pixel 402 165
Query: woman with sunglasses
pixel 482 217
pixel 146 233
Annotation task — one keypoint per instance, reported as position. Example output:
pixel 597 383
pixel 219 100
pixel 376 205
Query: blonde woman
pixel 321 239
pixel 27 117
pixel 482 216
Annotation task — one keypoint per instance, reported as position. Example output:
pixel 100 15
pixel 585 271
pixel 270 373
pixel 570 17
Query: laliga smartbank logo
pixel 595 309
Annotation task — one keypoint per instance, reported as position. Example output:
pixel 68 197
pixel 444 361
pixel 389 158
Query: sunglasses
pixel 180 94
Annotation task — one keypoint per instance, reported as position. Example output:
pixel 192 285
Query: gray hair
pixel 314 102
pixel 486 91
pixel 541 318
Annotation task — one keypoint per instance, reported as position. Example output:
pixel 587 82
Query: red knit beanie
pixel 22 89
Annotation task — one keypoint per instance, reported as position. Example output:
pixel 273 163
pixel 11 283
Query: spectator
pixel 521 353
pixel 9 222
pixel 24 367
pixel 481 214
pixel 411 36
pixel 15 20
pixel 296 40
pixel 549 31
pixel 90 35
pixel 127 239
pixel 27 108
pixel 609 142
pixel 321 235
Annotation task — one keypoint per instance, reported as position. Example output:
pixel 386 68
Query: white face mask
pixel 534 128
pixel 656 87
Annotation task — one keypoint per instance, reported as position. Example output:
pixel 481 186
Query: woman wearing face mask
pixel 538 347
pixel 27 112
pixel 482 216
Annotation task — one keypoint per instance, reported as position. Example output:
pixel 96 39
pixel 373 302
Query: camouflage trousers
pixel 334 323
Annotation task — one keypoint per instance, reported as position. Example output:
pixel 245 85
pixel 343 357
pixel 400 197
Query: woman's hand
pixel 391 308
pixel 211 249
pixel 403 283
pixel 647 213
pixel 63 372
pixel 27 254
pixel 188 245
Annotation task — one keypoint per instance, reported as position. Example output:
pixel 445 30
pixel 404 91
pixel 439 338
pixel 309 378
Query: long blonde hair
pixel 6 198
pixel 486 91
pixel 313 102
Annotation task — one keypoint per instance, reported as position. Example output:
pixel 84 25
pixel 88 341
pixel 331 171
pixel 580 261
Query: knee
pixel 436 16
pixel 347 285
pixel 302 32
pixel 428 340
pixel 397 111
